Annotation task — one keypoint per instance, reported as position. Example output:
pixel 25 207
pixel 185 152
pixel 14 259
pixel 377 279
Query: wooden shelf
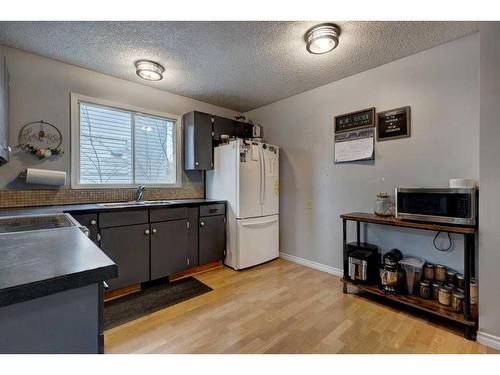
pixel 391 220
pixel 430 306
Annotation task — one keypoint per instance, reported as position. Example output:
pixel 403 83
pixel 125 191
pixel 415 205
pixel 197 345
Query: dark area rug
pixel 149 300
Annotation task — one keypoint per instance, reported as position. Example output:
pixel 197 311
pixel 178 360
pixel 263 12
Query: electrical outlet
pixel 309 204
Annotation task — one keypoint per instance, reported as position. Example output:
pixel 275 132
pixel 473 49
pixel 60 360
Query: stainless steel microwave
pixel 437 205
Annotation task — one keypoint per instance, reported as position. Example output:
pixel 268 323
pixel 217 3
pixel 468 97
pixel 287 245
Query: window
pixel 113 145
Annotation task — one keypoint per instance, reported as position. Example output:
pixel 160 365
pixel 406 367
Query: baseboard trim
pixel 488 340
pixel 311 264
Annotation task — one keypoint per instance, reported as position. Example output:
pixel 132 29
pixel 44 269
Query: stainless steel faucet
pixel 139 192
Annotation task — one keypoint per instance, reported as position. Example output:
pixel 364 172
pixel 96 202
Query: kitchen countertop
pixel 98 207
pixel 37 263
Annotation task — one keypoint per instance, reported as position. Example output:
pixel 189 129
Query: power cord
pixel 449 239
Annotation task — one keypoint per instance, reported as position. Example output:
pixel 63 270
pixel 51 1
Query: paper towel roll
pixel 45 177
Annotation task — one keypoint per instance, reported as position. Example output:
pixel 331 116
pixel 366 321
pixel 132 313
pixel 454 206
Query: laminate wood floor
pixel 283 307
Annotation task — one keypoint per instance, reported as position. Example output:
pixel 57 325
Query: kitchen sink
pixel 134 203
pixel 122 204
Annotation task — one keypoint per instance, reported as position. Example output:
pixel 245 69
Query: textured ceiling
pixel 237 65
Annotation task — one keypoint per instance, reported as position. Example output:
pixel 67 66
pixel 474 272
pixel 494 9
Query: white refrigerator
pixel 246 174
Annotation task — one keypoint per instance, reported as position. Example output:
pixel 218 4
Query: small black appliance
pixel 362 262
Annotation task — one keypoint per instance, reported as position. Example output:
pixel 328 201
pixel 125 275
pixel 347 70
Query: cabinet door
pixel 198 152
pixel 90 222
pixel 243 130
pixel 222 126
pixel 169 248
pixel 212 237
pixel 128 247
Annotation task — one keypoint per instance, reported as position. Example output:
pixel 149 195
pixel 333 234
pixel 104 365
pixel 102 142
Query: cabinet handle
pixel 187 261
pixel 93 222
pixel 202 224
pixel 105 285
pixel 146 231
pixel 196 163
pixel 154 230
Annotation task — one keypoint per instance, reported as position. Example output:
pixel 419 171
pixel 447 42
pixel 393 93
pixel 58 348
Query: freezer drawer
pixel 257 240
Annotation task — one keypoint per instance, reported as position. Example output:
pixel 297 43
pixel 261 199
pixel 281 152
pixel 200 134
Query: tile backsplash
pixel 31 198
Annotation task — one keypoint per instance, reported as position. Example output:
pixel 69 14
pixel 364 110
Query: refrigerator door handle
pixel 260 222
pixel 262 176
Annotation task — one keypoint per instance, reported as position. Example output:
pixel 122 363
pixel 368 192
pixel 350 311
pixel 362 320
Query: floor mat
pixel 147 301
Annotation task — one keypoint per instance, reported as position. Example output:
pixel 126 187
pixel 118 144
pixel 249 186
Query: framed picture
pixel 393 124
pixel 355 120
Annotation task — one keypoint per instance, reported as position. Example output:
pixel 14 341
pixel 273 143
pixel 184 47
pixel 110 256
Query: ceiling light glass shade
pixel 149 70
pixel 322 38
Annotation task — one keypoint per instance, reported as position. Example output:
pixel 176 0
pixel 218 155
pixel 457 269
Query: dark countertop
pixel 42 262
pixel 39 263
pixel 98 207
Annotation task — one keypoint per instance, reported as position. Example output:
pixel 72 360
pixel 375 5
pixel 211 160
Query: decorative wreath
pixel 41 139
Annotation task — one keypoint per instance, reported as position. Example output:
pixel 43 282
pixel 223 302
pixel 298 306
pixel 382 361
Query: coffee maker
pixel 362 259
pixel 391 274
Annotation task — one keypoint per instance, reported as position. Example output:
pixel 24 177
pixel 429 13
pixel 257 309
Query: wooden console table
pixel 429 306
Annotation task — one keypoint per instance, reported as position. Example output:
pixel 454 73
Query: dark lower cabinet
pixel 128 247
pixel 212 239
pixel 169 248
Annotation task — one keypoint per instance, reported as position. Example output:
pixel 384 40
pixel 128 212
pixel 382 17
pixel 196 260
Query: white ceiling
pixel 237 65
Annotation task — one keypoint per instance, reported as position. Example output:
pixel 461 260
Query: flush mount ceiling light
pixel 322 38
pixel 149 70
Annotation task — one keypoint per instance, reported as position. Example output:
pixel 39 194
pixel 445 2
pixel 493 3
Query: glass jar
pixel 435 289
pixel 457 301
pixel 384 205
pixel 429 271
pixel 451 278
pixel 425 289
pixel 460 281
pixel 440 273
pixel 445 296
pixel 473 291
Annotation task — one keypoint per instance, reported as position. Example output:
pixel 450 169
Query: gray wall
pixel 489 158
pixel 442 87
pixel 40 90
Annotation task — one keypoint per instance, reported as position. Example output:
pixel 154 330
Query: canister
pixel 451 278
pixel 460 281
pixel 473 291
pixel 457 301
pixel 425 289
pixel 445 296
pixel 440 272
pixel 429 271
pixel 435 289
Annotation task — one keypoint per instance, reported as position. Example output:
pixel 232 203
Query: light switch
pixel 309 204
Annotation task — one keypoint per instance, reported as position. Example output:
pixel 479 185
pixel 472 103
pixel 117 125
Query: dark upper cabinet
pixel 201 131
pixel 243 130
pixel 198 151
pixel 212 238
pixel 90 222
pixel 4 110
pixel 128 247
pixel 223 126
pixel 169 248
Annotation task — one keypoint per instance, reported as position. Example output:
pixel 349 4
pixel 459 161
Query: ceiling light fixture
pixel 149 70
pixel 322 38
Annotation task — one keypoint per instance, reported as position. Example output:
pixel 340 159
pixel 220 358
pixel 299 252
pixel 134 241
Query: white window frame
pixel 75 141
